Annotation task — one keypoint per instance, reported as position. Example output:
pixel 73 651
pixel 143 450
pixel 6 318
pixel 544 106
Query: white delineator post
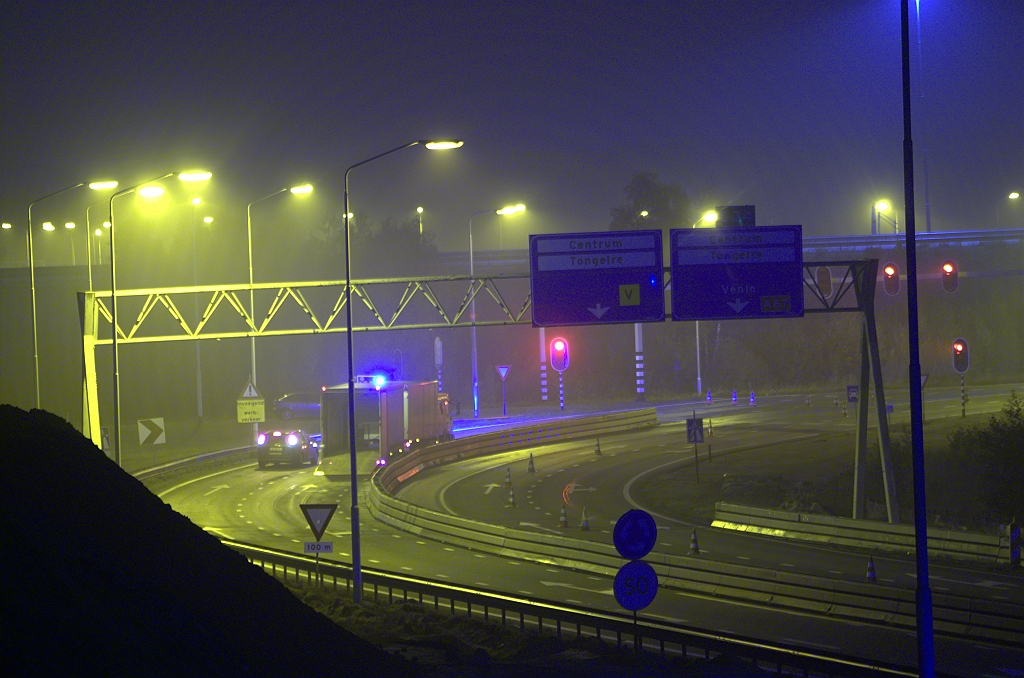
pixel 543 367
pixel 638 343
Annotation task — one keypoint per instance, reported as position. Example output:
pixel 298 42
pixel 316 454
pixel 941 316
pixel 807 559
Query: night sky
pixel 794 106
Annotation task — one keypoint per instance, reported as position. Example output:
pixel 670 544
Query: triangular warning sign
pixel 250 392
pixel 318 516
pixel 502 370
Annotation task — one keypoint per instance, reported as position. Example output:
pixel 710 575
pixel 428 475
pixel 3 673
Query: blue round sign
pixel 635 586
pixel 634 534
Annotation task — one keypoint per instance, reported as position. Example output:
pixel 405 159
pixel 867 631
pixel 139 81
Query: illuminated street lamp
pixel 146 189
pixel 357 573
pixel 302 189
pixel 419 213
pixel 878 214
pixel 96 186
pixel 1015 195
pixel 504 211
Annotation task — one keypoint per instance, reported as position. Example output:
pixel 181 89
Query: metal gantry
pixel 446 301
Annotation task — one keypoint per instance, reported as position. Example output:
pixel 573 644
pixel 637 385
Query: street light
pixel 504 211
pixel 96 186
pixel 1015 195
pixel 878 214
pixel 419 213
pixel 145 190
pixel 357 572
pixel 302 189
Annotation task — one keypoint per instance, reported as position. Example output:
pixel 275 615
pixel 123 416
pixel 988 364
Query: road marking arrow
pixel 490 487
pixel 598 310
pixel 219 487
pixel 558 584
pixel 737 305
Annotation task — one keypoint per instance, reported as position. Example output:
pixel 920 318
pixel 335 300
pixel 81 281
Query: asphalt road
pixel 262 506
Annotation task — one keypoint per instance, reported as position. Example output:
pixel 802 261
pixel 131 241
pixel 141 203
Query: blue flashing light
pixel 379 381
pixel 654 281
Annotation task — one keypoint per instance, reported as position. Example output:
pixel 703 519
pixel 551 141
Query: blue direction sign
pixel 636 585
pixel 596 278
pixel 695 430
pixel 727 273
pixel 635 534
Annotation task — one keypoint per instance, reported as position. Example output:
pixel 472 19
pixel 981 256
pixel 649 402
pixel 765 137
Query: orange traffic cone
pixel 508 477
pixel 694 549
pixel 871 570
pixel 529 467
pixel 563 519
pixel 511 503
pixel 597 447
pixel 585 524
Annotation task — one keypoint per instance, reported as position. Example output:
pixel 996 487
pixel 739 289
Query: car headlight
pixel 261 439
pixel 293 440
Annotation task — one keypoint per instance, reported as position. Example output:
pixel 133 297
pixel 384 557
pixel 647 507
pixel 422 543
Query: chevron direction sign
pixel 152 432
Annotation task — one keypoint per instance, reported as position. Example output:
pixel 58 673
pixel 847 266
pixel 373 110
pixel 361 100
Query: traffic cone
pixel 585 524
pixel 871 570
pixel 844 410
pixel 529 467
pixel 711 430
pixel 597 447
pixel 563 519
pixel 694 549
pixel 508 477
pixel 808 401
pixel 511 503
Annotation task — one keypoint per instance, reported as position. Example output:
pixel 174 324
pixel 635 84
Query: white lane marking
pixel 407 569
pixel 479 555
pixel 489 488
pixel 742 558
pixel 835 571
pixel 985 583
pixel 787 564
pixel 211 475
pixel 810 644
pixel 481 583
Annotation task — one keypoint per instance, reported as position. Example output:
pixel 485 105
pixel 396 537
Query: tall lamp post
pixel 504 211
pixel 304 189
pixel 183 176
pixel 96 186
pixel 88 230
pixel 707 220
pixel 1013 196
pixel 878 211
pixel 419 214
pixel 357 572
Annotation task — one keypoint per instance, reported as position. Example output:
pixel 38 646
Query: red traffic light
pixel 559 354
pixel 891 279
pixel 961 356
pixel 950 276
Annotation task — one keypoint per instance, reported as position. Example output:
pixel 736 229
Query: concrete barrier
pixel 865 534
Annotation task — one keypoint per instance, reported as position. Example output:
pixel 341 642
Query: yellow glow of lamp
pixel 69 224
pixel 7 226
pixel 882 205
pixel 106 224
pixel 102 185
pixel 1014 195
pixel 709 217
pixel 419 210
pixel 99 232
pixel 511 209
pixel 195 175
pixel 207 220
pixel 442 145
pixel 47 226
pixel 151 191
pixel 644 213
pixel 196 201
pixel 304 189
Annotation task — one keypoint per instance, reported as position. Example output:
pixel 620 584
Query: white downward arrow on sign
pixel 598 310
pixel 737 305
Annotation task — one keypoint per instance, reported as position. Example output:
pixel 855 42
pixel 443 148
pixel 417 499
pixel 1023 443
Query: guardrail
pixel 402 468
pixel 954 615
pixel 556 619
pixel 860 533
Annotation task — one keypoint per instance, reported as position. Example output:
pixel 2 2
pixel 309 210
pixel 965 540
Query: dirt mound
pixel 102 578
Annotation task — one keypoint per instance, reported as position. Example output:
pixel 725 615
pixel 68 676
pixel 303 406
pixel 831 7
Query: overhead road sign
pixel 730 273
pixel 605 277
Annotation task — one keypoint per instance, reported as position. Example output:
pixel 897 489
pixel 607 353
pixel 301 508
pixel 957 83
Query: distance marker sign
pixel 598 278
pixel 745 272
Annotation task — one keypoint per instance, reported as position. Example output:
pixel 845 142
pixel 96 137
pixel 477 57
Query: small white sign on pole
pixel 318 547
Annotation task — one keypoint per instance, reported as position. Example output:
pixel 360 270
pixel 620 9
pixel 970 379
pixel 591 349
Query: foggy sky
pixel 794 106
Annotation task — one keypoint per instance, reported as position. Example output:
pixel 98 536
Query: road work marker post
pixel 871 570
pixel 584 523
pixel 694 549
pixel 1013 532
pixel 597 447
pixel 695 434
pixel 529 467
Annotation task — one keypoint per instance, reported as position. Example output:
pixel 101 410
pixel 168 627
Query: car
pixel 289 447
pixel 305 404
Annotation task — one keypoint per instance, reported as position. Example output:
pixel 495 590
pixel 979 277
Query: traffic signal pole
pixel 923 597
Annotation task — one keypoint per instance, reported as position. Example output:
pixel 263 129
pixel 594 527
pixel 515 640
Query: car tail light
pixel 293 439
pixel 277 434
pixel 261 439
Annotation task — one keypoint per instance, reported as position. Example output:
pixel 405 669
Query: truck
pixel 394 417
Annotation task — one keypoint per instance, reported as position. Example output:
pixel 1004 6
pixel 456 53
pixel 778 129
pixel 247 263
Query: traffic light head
pixel 961 356
pixel 891 279
pixel 559 354
pixel 950 276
